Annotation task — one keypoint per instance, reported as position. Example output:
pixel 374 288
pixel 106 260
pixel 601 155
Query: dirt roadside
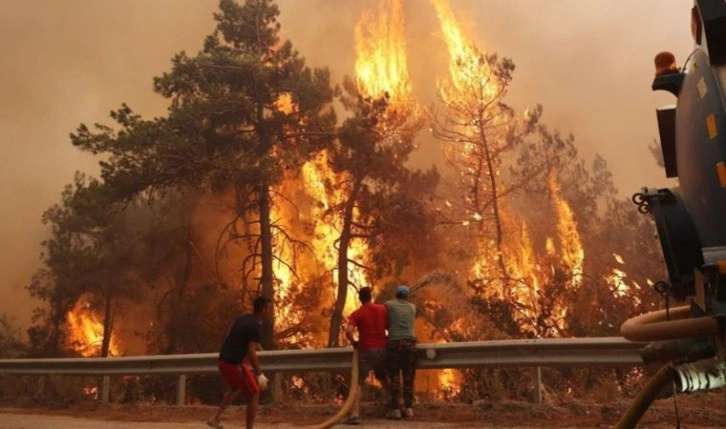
pixel 704 411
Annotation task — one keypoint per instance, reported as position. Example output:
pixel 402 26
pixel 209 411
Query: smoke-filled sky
pixel 65 62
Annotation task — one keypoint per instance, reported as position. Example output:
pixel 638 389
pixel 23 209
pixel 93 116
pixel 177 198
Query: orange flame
pixel 381 65
pixel 527 269
pixel 322 189
pixel 468 70
pixel 315 173
pixel 619 285
pixel 573 255
pixel 450 381
pixel 86 332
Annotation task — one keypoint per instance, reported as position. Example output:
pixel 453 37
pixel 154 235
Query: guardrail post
pixel 105 386
pixel 538 385
pixel 41 387
pixel 276 387
pixel 181 389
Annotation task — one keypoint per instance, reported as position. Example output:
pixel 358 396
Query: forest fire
pixel 316 175
pixel 380 71
pixel 618 284
pixel 85 333
pixel 279 196
pixel 508 266
pixel 300 267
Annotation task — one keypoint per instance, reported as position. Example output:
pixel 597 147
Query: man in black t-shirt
pixel 239 347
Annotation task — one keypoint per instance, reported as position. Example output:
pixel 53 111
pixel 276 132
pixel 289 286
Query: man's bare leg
pixel 226 400
pixel 252 410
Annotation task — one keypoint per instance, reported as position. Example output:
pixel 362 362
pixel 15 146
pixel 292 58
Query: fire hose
pixel 345 409
pixel 429 278
pixel 675 324
pixel 691 377
pixel 645 398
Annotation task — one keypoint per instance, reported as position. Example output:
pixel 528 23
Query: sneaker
pixel 214 424
pixel 352 420
pixel 394 414
pixel 408 412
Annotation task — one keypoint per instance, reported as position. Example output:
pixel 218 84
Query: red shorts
pixel 238 377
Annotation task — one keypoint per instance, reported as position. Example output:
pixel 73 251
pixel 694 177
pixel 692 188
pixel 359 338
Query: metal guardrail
pixel 533 352
pixel 606 351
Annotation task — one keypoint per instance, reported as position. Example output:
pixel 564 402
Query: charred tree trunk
pixel 107 322
pixel 336 319
pixel 499 232
pixel 57 325
pixel 268 288
pixel 181 287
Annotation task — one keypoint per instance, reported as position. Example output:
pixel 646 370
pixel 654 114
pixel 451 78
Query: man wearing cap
pixel 401 352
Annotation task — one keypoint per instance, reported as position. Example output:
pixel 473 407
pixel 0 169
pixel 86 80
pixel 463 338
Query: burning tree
pixel 478 128
pixel 243 111
pixel 88 255
pixel 482 135
pixel 259 111
pixel 380 195
pixel 59 282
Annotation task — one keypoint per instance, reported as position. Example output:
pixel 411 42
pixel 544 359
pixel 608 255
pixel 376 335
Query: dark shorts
pixel 372 360
pixel 238 377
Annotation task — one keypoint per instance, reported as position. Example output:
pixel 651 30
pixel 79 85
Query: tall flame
pixel 381 65
pixel 315 173
pixel 324 190
pixel 467 66
pixel 529 271
pixel 573 254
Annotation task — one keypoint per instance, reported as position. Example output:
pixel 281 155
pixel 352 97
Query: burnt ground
pixel 705 410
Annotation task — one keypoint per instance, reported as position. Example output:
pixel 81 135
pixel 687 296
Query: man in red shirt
pixel 370 320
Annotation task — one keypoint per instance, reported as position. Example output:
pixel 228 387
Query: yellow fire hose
pixel 656 326
pixel 645 398
pixel 677 323
pixel 348 402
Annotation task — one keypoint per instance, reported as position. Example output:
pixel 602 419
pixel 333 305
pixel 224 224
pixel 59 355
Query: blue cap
pixel 402 291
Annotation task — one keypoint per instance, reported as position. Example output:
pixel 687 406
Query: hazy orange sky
pixel 589 62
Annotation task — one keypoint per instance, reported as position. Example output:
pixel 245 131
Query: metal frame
pixel 607 351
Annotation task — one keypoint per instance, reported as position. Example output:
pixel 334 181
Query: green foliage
pixel 242 111
pixel 11 342
pixel 392 199
pixel 70 263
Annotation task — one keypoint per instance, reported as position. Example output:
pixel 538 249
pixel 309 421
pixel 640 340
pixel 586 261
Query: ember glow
pixel 619 285
pixel 450 381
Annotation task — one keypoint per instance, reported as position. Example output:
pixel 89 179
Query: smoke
pixel 588 63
